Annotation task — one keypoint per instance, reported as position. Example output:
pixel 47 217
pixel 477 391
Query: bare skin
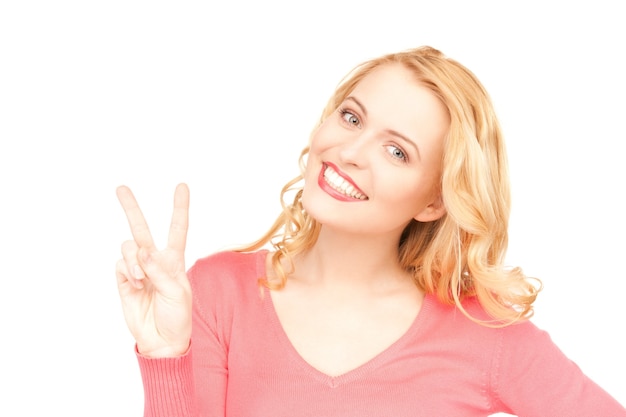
pixel 336 324
pixel 348 298
pixel 153 285
pixel 339 314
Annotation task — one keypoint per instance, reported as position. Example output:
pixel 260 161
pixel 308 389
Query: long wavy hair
pixel 461 254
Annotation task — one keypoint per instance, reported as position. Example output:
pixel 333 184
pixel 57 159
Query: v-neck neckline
pixel 350 375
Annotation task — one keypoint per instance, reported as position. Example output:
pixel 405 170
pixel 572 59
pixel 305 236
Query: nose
pixel 354 151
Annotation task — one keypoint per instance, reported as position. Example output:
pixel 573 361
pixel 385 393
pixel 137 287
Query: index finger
pixel 138 225
pixel 177 238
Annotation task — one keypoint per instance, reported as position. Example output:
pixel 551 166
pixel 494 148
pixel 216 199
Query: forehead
pixel 393 79
pixel 391 94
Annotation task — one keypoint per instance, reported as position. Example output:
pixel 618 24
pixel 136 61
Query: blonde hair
pixel 460 255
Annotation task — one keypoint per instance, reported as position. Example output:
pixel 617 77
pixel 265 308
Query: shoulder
pixel 229 262
pixel 510 345
pixel 471 322
pixel 227 272
pixel 474 335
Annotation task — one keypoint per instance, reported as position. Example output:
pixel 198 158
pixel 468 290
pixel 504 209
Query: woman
pixel 382 291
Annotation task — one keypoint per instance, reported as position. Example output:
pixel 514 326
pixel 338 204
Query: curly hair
pixel 461 254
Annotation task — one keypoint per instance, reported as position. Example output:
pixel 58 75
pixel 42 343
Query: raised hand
pixel 153 284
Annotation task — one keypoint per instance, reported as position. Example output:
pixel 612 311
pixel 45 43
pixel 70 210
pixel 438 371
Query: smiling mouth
pixel 339 184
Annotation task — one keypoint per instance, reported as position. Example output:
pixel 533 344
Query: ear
pixel 433 211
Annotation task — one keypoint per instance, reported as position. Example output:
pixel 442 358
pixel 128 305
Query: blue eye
pixel 396 152
pixel 350 118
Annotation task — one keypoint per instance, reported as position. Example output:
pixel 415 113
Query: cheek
pixel 323 138
pixel 404 192
pixel 316 145
pixel 310 189
pixel 312 167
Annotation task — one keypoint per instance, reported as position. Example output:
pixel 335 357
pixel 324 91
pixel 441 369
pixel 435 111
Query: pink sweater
pixel 241 364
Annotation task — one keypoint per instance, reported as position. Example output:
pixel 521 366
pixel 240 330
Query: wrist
pixel 172 351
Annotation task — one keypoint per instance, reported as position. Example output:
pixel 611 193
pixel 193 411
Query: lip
pixel 331 191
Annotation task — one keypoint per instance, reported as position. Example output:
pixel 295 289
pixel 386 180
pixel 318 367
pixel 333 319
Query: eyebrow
pixel 390 131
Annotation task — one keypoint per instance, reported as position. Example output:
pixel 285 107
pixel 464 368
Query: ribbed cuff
pixel 168 386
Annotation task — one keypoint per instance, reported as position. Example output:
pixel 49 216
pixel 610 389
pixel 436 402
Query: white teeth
pixel 339 184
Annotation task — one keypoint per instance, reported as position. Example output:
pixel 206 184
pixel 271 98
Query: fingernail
pixel 145 256
pixel 138 272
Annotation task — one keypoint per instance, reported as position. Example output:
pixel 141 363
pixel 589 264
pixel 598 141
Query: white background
pixel 149 94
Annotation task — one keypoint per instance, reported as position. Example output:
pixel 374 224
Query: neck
pixel 338 259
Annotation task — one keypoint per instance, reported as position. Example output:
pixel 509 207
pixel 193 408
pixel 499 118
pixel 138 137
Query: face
pixel 375 163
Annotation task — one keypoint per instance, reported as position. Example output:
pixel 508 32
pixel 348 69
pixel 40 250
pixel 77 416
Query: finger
pixel 157 269
pixel 177 239
pixel 129 253
pixel 137 222
pixel 123 276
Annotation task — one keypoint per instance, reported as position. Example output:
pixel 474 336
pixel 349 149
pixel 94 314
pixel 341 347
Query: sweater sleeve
pixel 194 385
pixel 168 386
pixel 533 378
